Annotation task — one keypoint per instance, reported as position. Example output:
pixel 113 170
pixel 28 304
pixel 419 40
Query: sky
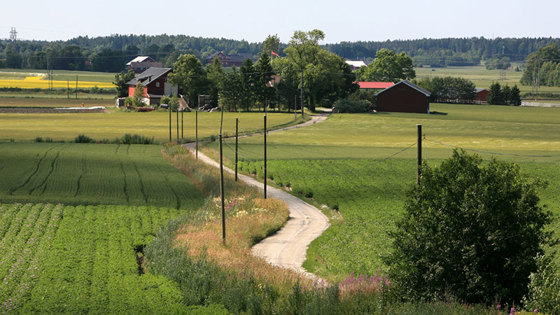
pixel 254 20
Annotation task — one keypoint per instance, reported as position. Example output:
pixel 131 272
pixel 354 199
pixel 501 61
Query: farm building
pixel 481 95
pixel 142 63
pixel 403 97
pixel 154 81
pixel 228 60
pixel 355 64
pixel 374 85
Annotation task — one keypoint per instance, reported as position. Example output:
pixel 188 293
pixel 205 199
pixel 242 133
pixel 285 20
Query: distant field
pixel 79 174
pixel 55 101
pixel 364 163
pixel 483 78
pixel 60 75
pixel 26 127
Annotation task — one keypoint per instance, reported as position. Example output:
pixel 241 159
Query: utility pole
pixel 76 87
pixel 68 89
pixel 13 34
pixel 177 124
pixel 302 93
pixel 182 125
pixel 419 154
pixel 222 182
pixel 265 157
pixel 236 145
pixel 196 131
pixel 169 110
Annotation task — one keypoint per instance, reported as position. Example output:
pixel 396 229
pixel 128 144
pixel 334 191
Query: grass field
pixel 483 78
pixel 26 127
pixel 52 100
pixel 364 164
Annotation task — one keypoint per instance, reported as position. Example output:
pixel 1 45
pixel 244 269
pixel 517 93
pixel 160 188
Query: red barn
pixel 481 95
pixel 154 83
pixel 403 97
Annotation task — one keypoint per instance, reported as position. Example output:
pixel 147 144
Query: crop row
pixel 66 259
pixel 93 174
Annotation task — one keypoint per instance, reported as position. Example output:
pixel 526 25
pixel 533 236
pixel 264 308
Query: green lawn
pixel 364 163
pixel 26 127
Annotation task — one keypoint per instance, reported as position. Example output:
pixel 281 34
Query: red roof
pixel 375 85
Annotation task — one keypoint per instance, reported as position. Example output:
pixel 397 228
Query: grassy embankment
pixel 355 162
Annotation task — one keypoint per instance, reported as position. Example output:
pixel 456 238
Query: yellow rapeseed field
pixel 37 82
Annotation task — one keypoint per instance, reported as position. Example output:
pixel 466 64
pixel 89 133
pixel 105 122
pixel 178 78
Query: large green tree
pixel 121 79
pixel 215 75
pixel 388 66
pixel 271 43
pixel 542 67
pixel 190 77
pixel 326 77
pixel 470 231
pixel 263 73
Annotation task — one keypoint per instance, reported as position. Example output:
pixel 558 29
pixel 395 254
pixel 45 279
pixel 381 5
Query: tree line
pixel 275 82
pixel 110 53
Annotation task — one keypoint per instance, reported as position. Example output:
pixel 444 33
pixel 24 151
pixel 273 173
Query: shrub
pixel 136 139
pixel 470 231
pixel 351 106
pixel 544 287
pixel 39 139
pixel 83 139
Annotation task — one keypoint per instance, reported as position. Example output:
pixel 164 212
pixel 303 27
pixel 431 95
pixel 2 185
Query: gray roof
pixel 414 86
pixel 150 75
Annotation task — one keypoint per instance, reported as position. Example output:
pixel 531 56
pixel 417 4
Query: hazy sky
pixel 254 20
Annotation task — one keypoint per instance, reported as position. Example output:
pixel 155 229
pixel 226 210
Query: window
pixel 157 84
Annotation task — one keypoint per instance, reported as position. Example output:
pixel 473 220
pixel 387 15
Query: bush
pixel 351 106
pixel 470 231
pixel 544 288
pixel 135 139
pixel 83 139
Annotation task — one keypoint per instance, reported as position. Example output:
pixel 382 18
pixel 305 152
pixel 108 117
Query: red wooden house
pixel 155 85
pixel 403 97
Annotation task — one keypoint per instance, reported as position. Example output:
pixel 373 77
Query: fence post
pixel 222 193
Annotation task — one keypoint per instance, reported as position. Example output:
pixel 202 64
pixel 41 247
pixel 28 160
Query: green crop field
pixel 27 126
pixel 65 259
pixel 79 174
pixel 363 164
pixel 483 78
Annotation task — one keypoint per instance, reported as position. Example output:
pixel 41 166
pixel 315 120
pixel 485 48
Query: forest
pixel 110 53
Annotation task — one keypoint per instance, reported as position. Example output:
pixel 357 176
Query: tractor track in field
pixel 288 247
pixel 28 179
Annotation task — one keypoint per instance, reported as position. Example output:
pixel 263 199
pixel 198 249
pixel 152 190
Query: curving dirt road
pixel 288 247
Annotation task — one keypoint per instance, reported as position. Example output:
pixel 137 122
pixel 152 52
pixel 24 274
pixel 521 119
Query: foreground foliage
pixel 470 231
